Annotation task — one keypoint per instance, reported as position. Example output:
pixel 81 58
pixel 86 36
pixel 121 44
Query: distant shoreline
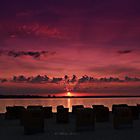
pixel 54 97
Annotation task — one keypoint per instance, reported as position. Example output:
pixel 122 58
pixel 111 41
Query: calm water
pixel 67 102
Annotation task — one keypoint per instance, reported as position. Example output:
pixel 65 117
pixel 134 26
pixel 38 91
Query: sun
pixel 68 93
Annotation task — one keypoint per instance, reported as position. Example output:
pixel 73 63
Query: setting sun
pixel 68 94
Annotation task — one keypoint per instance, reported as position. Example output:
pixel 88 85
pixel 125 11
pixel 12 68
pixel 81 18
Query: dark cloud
pixel 33 54
pixel 125 51
pixel 83 79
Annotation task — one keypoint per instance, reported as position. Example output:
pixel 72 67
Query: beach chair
pixel 14 112
pixel 75 107
pixel 138 106
pixel 85 119
pixel 34 107
pixel 122 118
pixel 60 107
pixel 114 106
pixel 62 115
pixel 135 112
pixel 101 113
pixel 47 111
pixel 33 121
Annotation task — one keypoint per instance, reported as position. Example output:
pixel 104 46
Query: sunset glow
pixel 75 37
pixel 68 68
pixel 68 93
pixel 44 41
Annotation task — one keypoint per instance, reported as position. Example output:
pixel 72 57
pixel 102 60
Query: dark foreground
pixel 53 129
pixel 11 129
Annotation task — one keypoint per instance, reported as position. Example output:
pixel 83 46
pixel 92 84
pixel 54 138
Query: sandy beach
pixel 11 129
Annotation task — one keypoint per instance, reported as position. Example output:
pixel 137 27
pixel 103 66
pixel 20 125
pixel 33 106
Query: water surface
pixel 67 102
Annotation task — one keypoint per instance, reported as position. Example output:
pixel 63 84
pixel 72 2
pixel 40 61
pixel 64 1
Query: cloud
pixel 119 70
pixel 33 54
pixel 39 30
pixel 125 51
pixel 29 30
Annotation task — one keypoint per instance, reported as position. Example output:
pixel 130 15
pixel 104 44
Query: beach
pixel 11 129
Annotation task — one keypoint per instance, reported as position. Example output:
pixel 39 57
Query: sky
pixel 100 38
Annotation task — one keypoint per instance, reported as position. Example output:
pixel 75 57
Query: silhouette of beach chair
pixel 47 112
pixel 34 107
pixel 14 112
pixel 75 107
pixel 85 119
pixel 33 121
pixel 122 118
pixel 138 106
pixel 101 113
pixel 114 106
pixel 62 115
pixel 135 112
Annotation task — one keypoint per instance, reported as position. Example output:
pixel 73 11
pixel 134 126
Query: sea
pixel 67 102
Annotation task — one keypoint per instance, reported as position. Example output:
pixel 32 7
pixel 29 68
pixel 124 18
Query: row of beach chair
pixel 32 118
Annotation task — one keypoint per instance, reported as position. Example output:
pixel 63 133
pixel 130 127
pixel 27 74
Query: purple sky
pixel 94 37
